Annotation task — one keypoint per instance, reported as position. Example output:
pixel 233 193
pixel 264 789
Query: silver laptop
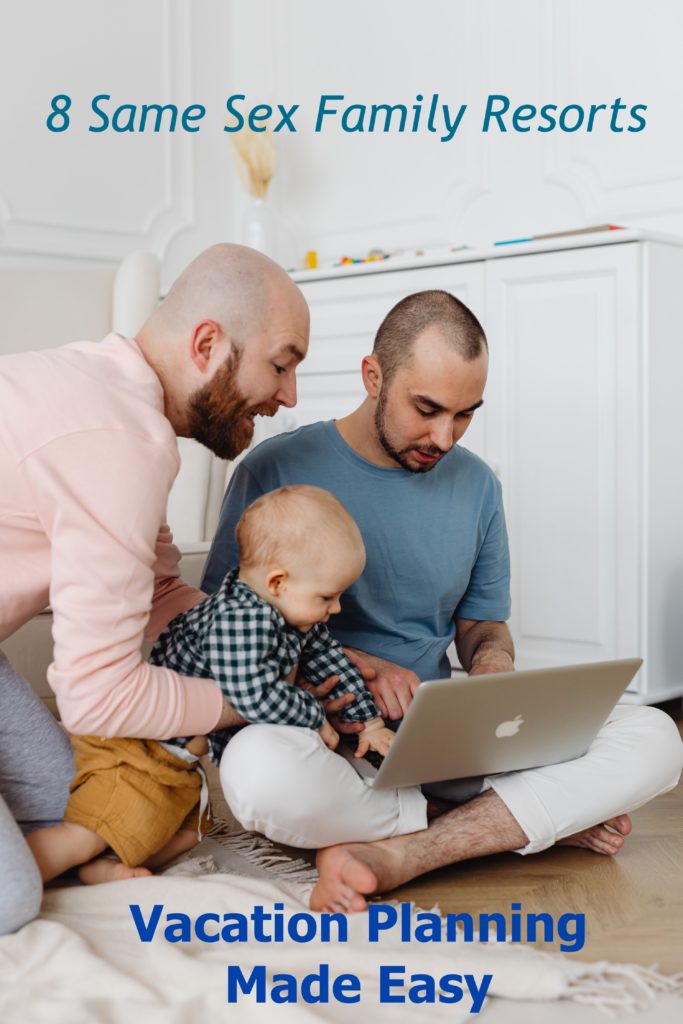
pixel 480 725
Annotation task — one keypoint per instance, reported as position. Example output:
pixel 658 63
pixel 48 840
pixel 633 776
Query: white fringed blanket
pixel 82 961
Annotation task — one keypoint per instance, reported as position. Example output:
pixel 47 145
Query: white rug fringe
pixel 193 866
pixel 263 853
pixel 297 876
pixel 620 988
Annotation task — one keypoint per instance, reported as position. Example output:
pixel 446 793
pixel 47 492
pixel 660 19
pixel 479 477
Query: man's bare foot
pixel 350 872
pixel 607 838
pixel 347 875
pixel 108 869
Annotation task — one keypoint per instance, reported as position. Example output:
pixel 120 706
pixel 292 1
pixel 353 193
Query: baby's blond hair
pixel 300 520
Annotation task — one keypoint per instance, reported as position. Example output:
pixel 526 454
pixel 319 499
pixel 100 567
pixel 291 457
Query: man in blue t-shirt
pixel 430 512
pixel 431 517
pixel 436 542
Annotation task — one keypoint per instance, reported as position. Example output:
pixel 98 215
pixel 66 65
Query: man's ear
pixel 276 581
pixel 371 372
pixel 203 339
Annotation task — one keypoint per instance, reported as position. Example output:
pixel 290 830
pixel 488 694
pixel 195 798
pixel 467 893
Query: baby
pixel 145 800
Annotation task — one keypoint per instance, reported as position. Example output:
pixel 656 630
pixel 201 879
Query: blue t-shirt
pixel 436 542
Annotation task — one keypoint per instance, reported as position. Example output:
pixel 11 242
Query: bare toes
pixel 607 838
pixel 602 846
pixel 602 833
pixel 621 823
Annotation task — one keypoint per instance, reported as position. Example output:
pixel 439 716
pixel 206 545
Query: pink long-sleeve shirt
pixel 87 460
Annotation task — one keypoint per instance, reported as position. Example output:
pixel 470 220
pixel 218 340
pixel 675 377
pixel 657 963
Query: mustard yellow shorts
pixel 133 793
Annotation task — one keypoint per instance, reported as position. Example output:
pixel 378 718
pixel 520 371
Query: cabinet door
pixel 564 434
pixel 345 315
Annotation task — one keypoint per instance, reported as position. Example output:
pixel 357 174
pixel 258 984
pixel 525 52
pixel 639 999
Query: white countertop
pixel 442 257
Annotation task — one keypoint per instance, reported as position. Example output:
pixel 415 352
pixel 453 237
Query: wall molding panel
pixel 164 208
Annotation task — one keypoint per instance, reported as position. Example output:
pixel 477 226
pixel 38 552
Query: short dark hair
pixel 412 315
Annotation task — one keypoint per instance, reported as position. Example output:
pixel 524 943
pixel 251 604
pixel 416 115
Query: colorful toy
pixel 374 256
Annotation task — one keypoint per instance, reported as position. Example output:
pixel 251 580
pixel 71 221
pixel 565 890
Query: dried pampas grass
pixel 256 160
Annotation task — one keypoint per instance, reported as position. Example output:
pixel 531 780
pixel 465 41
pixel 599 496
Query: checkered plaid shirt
pixel 245 644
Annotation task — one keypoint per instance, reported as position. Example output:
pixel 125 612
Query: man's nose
pixel 286 393
pixel 442 436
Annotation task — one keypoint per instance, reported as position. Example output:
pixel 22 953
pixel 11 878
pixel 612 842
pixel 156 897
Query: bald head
pixel 225 344
pixel 231 284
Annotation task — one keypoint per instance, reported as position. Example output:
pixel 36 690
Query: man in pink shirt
pixel 88 454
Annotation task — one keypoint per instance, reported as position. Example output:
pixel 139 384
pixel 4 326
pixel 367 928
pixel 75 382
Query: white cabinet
pixel 563 389
pixel 581 423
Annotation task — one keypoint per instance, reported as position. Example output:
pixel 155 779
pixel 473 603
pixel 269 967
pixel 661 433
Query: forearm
pixel 266 700
pixel 321 658
pixel 362 708
pixel 486 646
pixel 143 700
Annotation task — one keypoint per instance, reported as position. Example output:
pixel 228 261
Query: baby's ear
pixel 275 581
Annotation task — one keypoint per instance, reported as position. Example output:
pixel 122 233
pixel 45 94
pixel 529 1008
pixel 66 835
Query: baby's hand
pixel 375 736
pixel 329 736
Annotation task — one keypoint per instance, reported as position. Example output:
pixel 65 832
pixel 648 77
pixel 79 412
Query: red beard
pixel 219 416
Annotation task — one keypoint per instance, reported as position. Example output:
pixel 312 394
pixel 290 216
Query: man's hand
pixel 392 687
pixel 484 647
pixel 332 707
pixel 329 736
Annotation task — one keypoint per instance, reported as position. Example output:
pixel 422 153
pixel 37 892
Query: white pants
pixel 282 781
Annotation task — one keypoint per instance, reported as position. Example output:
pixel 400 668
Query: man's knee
pixel 657 744
pixel 268 778
pixel 668 744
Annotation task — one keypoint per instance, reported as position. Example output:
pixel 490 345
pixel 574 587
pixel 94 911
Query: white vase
pixel 258 227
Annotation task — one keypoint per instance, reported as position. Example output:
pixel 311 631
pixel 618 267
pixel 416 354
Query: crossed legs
pixel 281 781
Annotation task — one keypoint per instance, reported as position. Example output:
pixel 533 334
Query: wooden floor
pixel 633 902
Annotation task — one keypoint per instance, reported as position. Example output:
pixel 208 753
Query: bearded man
pixel 88 454
pixel 431 516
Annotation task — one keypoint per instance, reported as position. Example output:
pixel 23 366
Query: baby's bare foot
pixel 607 838
pixel 108 869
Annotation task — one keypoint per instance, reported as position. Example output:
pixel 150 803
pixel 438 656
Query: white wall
pixel 79 197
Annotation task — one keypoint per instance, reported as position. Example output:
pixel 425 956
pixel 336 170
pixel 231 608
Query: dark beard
pixel 399 455
pixel 216 412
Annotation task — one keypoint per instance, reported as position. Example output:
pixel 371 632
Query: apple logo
pixel 510 728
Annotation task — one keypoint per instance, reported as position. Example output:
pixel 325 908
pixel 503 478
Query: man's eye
pixel 280 369
pixel 425 412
